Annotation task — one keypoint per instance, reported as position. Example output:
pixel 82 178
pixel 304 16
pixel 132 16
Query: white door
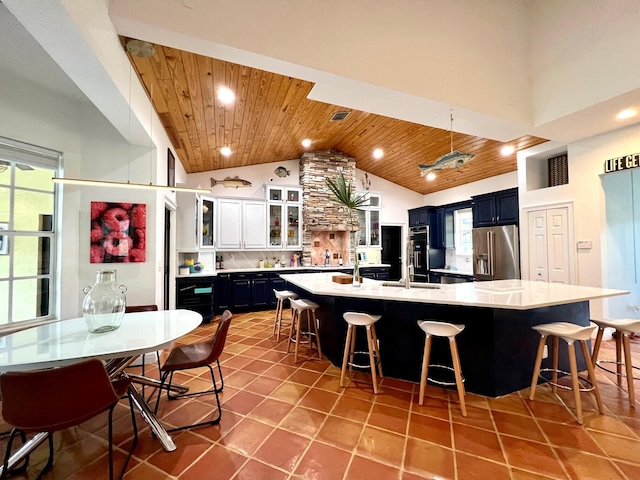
pixel 229 226
pixel 558 245
pixel 549 245
pixel 254 215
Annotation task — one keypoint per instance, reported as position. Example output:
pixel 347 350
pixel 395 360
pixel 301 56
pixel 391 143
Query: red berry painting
pixel 118 232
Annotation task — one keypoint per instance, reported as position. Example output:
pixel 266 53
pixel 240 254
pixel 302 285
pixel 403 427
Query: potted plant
pixel 344 193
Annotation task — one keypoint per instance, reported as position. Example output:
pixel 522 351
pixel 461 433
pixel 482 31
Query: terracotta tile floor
pixel 286 421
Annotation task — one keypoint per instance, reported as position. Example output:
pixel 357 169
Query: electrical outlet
pixel 231 257
pixel 545 352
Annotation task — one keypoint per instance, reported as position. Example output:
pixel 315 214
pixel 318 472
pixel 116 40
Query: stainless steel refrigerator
pixel 496 253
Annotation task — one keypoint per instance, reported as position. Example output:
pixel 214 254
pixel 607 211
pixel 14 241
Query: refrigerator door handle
pixel 490 253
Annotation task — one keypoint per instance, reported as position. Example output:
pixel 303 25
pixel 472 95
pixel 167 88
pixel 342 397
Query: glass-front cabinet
pixel 207 211
pixel 369 219
pixel 284 217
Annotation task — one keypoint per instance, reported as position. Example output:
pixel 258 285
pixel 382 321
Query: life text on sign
pixel 622 163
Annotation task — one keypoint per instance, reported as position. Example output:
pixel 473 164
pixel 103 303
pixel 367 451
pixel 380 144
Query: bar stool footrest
pixel 585 384
pixel 443 383
pixel 365 357
pixel 613 362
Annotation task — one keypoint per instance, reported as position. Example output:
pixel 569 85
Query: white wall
pixel 91 147
pixel 586 166
pixel 465 192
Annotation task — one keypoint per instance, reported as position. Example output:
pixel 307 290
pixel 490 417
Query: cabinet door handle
pixel 498 218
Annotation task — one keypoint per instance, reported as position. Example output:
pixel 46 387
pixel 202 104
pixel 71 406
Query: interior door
pixel 558 245
pixel 392 250
pixel 538 270
pixel 167 255
pixel 549 245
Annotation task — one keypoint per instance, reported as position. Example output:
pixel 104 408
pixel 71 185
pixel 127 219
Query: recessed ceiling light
pixel 507 150
pixel 627 113
pixel 431 176
pixel 306 143
pixel 378 153
pixel 225 95
pixel 226 151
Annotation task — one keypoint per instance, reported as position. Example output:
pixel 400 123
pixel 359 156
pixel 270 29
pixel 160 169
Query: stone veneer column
pixel 319 212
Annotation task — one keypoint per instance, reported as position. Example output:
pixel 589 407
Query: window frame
pixel 13 152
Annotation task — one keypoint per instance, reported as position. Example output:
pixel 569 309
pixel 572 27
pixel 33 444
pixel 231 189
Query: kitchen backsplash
pixel 459 262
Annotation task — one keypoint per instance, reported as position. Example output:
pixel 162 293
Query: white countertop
pixel 508 294
pixel 320 268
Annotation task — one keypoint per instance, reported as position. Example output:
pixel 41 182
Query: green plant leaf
pixel 345 194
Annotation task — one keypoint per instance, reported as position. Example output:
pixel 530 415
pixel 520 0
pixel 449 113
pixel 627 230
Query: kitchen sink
pixel 432 286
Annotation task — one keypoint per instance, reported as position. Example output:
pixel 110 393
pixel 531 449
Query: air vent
pixel 339 116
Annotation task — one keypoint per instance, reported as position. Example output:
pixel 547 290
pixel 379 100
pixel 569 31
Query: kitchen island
pixel 498 346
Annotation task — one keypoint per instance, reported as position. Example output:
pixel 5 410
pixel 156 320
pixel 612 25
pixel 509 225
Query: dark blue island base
pixel 497 348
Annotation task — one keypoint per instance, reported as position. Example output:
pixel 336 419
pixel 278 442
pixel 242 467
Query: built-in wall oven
pixel 423 257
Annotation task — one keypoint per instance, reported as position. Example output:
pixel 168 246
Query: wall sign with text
pixel 622 163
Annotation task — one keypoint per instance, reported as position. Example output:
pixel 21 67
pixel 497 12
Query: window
pixel 463 221
pixel 27 236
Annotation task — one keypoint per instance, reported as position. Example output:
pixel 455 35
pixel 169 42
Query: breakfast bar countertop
pixel 504 294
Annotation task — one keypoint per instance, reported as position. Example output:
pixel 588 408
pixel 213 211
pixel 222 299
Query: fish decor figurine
pixel 229 182
pixel 454 159
pixel 281 172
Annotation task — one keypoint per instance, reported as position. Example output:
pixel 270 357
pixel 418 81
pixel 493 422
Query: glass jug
pixel 104 303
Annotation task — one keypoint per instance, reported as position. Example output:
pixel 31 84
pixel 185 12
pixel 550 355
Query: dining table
pixel 63 342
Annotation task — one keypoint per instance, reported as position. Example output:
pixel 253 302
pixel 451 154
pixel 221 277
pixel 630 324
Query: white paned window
pixel 463 224
pixel 27 233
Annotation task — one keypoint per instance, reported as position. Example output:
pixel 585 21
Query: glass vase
pixel 356 269
pixel 104 303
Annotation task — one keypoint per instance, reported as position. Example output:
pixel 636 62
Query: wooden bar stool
pixel 355 319
pixel 624 329
pixel 300 306
pixel 282 296
pixel 448 330
pixel 570 333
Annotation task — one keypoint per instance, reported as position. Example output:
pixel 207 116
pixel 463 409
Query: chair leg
pixel 372 360
pixel 377 349
pixel 135 437
pixel 554 360
pixel 346 355
pixel 276 324
pixel 457 369
pixel 294 318
pixel 629 368
pixel 298 335
pixel 574 380
pixel 536 367
pixel 317 330
pixel 426 354
pixel 596 345
pixel 592 374
pixel 21 469
pixel 619 356
pixel 352 347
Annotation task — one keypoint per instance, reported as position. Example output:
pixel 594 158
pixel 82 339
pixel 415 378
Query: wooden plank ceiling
pixel 271 115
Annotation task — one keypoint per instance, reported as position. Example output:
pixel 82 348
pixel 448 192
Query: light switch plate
pixel 584 244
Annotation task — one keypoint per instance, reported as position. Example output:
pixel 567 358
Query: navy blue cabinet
pixel 376 273
pixel 498 208
pixel 275 283
pixel 241 291
pixel 223 292
pixel 260 290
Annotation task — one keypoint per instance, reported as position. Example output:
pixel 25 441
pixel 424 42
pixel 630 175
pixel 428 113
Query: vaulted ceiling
pixel 271 115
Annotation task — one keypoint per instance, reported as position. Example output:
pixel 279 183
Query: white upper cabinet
pixel 196 222
pixel 284 217
pixel 240 224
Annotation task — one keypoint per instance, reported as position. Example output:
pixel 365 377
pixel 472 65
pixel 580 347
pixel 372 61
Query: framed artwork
pixel 4 239
pixel 118 232
pixel 171 168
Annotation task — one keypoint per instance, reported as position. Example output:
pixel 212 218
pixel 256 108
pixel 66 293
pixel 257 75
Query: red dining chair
pixel 197 355
pixel 58 398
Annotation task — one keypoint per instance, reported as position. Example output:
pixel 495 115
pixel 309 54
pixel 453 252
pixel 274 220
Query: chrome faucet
pixel 407 277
